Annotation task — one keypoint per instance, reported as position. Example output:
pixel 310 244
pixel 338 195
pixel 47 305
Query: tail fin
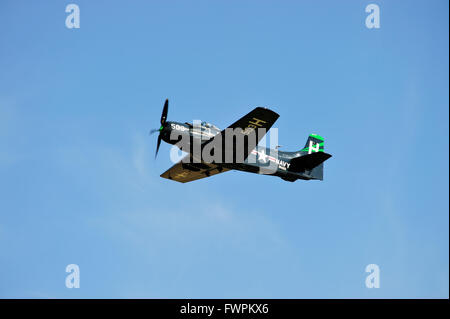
pixel 314 143
pixel 310 162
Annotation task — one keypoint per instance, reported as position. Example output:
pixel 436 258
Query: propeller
pixel 163 124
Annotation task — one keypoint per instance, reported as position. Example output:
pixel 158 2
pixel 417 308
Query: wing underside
pixel 188 172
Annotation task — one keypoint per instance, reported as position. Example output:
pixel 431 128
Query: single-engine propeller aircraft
pixel 305 164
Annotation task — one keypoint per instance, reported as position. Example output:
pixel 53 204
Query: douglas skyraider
pixel 207 155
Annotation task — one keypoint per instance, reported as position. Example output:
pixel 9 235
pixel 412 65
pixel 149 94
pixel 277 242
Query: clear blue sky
pixel 79 183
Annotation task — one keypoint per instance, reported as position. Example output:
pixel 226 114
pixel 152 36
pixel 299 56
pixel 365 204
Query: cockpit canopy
pixel 209 125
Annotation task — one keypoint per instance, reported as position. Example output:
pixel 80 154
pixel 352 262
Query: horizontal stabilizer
pixel 308 162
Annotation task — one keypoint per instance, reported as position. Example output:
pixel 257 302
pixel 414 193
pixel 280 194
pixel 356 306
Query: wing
pixel 188 172
pixel 259 118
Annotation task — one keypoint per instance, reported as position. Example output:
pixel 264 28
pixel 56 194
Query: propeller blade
pixel 163 122
pixel 164 112
pixel 157 145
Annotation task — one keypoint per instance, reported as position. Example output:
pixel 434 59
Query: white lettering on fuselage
pixel 263 158
pixel 179 127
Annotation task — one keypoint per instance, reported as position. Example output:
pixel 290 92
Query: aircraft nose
pixel 167 127
pixel 165 130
